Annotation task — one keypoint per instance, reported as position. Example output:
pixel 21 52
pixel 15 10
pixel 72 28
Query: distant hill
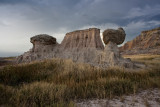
pixel 148 42
pixel 7 60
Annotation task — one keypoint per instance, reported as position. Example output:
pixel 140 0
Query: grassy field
pixel 149 60
pixel 59 82
pixel 6 61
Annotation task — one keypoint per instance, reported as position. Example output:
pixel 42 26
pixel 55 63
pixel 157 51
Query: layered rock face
pixel 148 42
pixel 81 46
pixel 89 38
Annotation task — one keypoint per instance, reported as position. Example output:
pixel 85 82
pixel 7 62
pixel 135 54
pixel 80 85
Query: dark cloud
pixel 3 2
pixel 25 18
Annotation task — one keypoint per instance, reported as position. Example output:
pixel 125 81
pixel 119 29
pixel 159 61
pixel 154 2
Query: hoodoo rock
pixel 115 36
pixel 81 46
pixel 44 47
pixel 42 42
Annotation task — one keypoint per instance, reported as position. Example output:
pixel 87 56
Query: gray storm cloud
pixel 21 19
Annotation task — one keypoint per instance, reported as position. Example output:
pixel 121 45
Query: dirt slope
pixel 148 42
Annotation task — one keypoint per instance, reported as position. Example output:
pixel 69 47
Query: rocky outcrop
pixel 43 39
pixel 89 38
pixel 81 46
pixel 111 54
pixel 44 47
pixel 116 36
pixel 148 42
pixel 42 42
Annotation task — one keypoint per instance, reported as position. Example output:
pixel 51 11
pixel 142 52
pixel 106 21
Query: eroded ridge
pixel 81 46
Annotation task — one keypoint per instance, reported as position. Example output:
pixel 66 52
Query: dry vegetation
pixel 148 60
pixel 59 82
pixel 6 61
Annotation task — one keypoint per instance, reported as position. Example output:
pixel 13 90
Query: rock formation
pixel 111 54
pixel 42 42
pixel 81 46
pixel 89 38
pixel 43 48
pixel 148 42
pixel 43 39
pixel 116 36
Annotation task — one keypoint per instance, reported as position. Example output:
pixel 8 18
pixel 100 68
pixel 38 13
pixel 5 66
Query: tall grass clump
pixel 59 82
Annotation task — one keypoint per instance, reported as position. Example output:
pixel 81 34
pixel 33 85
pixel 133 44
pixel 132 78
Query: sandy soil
pixel 146 98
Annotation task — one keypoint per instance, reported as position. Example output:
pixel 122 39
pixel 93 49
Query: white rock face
pixel 81 46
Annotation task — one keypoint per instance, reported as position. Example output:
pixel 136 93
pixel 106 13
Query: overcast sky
pixel 22 19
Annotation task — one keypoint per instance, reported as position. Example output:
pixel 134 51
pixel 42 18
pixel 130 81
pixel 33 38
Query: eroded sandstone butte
pixel 148 42
pixel 81 46
pixel 83 39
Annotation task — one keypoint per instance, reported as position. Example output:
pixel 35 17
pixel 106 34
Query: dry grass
pixel 6 61
pixel 141 56
pixel 149 60
pixel 9 58
pixel 58 82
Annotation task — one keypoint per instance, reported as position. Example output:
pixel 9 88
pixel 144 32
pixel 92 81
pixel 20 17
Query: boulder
pixel 43 39
pixel 42 42
pixel 115 36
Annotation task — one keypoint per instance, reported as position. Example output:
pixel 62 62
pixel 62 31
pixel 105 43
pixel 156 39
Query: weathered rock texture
pixel 42 42
pixel 43 39
pixel 148 42
pixel 116 36
pixel 81 46
pixel 89 38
